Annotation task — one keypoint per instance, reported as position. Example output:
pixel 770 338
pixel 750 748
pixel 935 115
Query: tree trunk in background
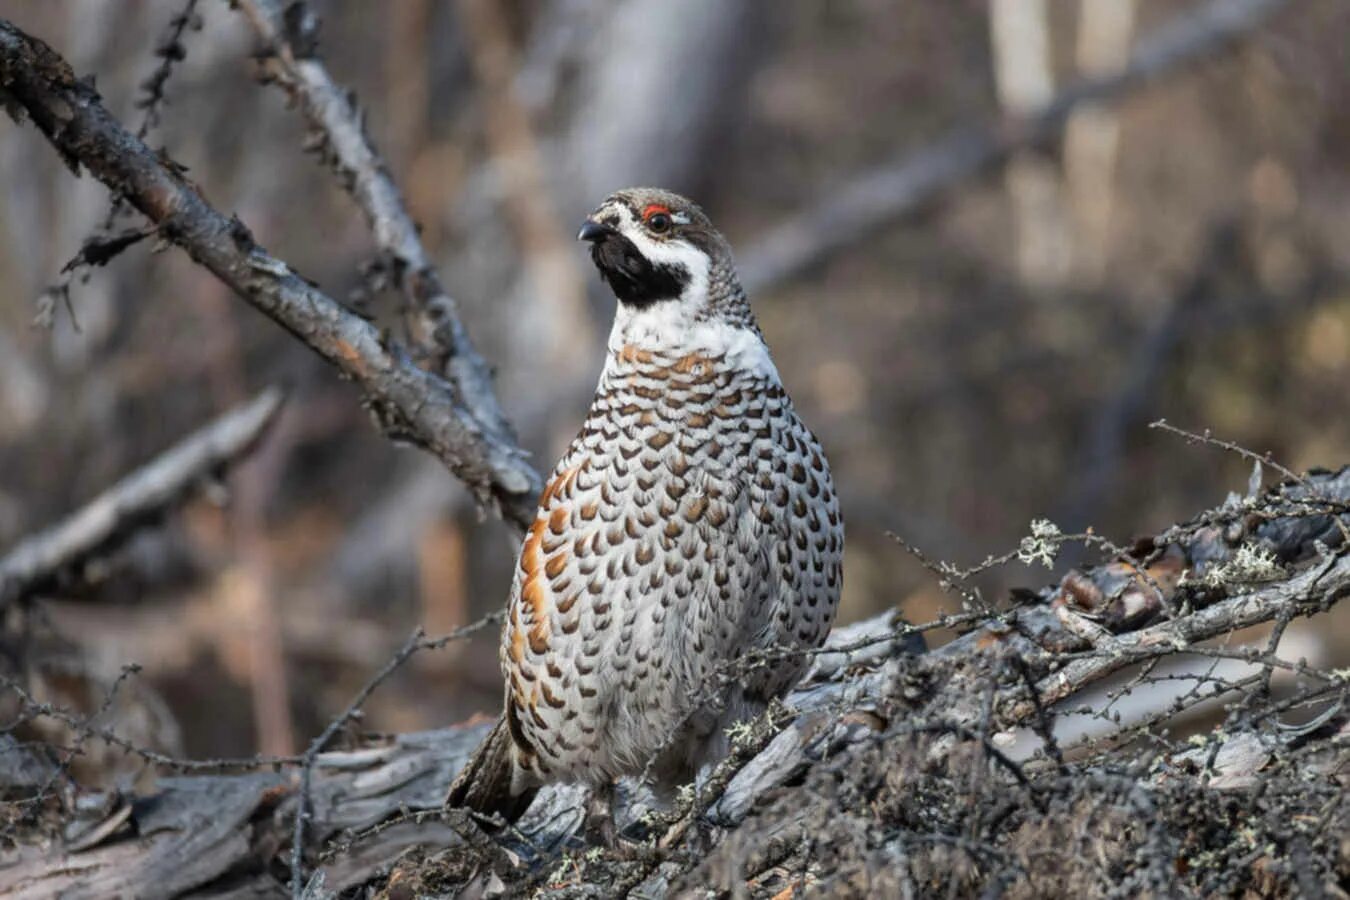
pixel 1019 32
pixel 1092 137
pixel 553 329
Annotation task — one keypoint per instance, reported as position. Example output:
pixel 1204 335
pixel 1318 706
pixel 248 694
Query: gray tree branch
pixel 411 403
pixel 289 32
pixel 39 561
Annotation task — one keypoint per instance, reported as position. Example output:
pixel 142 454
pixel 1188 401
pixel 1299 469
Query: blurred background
pixel 991 358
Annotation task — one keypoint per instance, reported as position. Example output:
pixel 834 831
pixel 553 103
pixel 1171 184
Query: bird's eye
pixel 659 222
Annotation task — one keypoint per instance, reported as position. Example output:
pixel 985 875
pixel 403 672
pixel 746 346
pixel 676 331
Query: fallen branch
pixel 1311 591
pixel 410 403
pixel 43 560
pixel 901 188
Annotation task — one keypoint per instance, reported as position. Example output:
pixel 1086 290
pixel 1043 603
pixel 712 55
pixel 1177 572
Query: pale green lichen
pixel 1042 545
pixel 566 869
pixel 741 734
pixel 1251 563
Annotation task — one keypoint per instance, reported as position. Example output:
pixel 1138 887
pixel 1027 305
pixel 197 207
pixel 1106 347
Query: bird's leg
pixel 599 827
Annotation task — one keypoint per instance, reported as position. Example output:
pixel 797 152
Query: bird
pixel 688 546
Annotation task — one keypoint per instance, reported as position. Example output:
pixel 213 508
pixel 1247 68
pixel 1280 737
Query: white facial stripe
pixel 675 252
pixel 679 253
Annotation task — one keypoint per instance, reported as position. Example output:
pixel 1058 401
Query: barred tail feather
pixel 486 784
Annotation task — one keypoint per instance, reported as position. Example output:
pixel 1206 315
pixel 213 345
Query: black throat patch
pixel 635 279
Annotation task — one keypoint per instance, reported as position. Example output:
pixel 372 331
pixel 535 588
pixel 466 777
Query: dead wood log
pixel 372 805
pixel 41 561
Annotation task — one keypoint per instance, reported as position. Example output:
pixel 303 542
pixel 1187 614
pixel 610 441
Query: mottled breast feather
pixel 692 521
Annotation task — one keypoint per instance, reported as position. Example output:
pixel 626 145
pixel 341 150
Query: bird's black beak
pixel 594 231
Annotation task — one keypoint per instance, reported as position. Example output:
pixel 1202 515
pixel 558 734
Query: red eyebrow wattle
pixel 652 209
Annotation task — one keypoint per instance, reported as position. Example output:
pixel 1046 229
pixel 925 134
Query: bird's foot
pixel 600 829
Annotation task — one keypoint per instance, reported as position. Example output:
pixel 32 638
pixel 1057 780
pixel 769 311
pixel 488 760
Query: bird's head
pixel 655 248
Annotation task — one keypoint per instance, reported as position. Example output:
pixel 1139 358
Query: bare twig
pixel 411 403
pixel 39 561
pixel 410 646
pixel 83 730
pixel 103 245
pixel 291 34
pixel 901 188
pixel 416 641
pixel 170 51
pixel 1205 437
